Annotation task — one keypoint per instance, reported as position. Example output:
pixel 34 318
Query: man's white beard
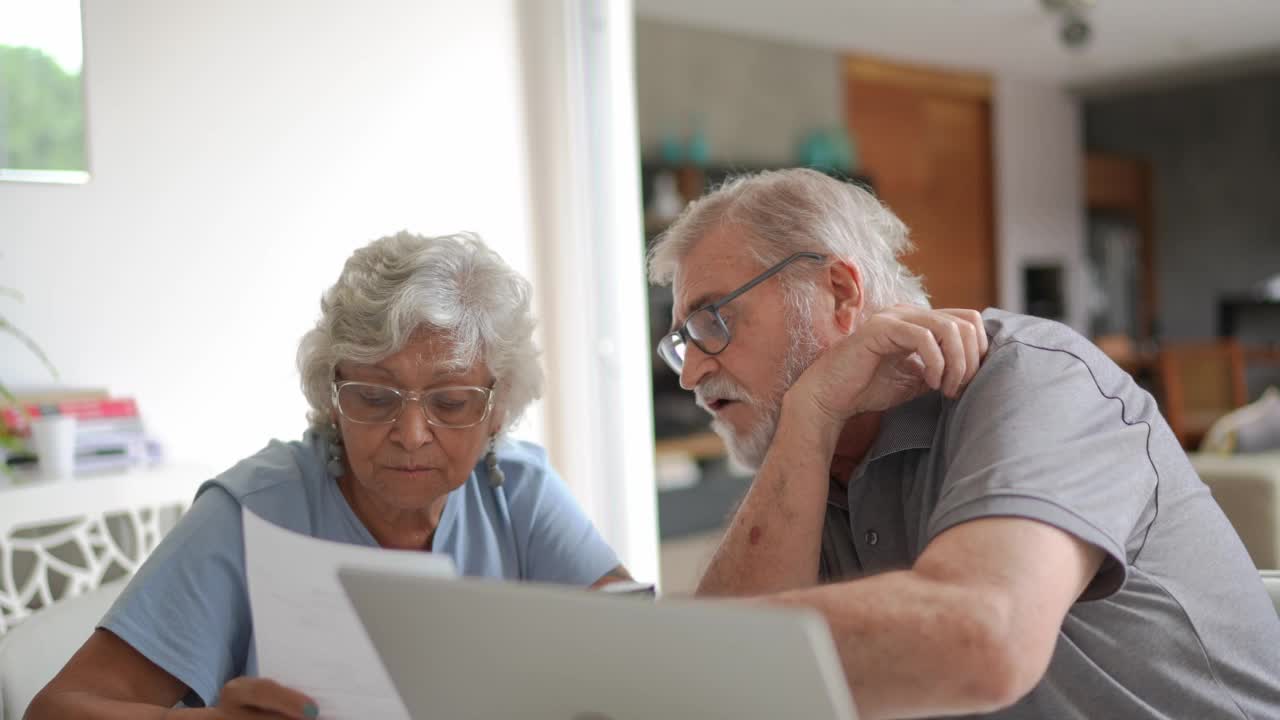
pixel 750 447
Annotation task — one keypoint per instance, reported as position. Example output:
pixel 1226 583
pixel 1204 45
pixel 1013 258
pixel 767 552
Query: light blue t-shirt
pixel 187 609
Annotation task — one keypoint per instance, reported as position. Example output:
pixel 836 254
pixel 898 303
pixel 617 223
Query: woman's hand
pixel 896 355
pixel 252 697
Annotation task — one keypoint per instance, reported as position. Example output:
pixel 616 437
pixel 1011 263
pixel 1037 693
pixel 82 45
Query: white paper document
pixel 307 635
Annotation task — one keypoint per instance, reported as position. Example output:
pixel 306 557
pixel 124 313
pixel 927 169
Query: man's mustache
pixel 720 388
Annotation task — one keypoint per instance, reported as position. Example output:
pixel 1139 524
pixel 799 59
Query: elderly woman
pixel 422 358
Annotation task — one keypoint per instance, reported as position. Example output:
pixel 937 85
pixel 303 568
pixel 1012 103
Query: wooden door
pixel 924 138
pixel 1122 185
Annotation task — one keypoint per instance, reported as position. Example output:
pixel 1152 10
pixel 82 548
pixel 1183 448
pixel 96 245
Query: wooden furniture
pixel 1124 352
pixel 1200 382
pixel 925 136
pixel 1261 355
pixel 698 446
pixel 1122 185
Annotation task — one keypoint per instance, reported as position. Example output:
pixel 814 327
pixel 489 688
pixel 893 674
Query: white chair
pixel 1247 488
pixel 62 539
pixel 1271 579
pixel 34 651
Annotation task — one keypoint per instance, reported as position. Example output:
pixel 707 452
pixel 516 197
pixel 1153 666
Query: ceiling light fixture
pixel 1076 30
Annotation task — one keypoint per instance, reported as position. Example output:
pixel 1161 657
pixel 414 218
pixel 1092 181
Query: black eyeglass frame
pixel 669 340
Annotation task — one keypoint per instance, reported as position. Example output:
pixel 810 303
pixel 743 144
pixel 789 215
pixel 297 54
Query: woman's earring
pixel 336 466
pixel 496 476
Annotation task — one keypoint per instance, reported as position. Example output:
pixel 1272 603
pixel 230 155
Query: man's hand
pixel 895 356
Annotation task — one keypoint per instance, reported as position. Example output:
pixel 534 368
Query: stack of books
pixel 109 430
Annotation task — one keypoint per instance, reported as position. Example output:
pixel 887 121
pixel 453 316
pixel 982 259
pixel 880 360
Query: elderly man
pixel 1018 535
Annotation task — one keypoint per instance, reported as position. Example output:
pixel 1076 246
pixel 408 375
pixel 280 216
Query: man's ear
pixel 846 290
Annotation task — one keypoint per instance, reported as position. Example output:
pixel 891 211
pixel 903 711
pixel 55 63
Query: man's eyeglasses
pixel 706 328
pixel 458 406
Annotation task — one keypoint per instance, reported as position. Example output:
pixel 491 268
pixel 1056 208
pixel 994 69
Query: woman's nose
pixel 412 427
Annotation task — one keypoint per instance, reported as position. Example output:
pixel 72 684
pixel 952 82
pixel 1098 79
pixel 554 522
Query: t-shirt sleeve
pixel 187 609
pixel 1035 436
pixel 560 544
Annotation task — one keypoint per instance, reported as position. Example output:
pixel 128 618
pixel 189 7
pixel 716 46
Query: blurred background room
pixel 179 181
pixel 1111 164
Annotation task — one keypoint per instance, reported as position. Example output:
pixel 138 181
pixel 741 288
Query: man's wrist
pixel 804 420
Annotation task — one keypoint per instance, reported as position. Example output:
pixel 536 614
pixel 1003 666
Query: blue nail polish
pixel 311 711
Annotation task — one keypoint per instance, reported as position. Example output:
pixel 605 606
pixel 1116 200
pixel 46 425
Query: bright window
pixel 42 120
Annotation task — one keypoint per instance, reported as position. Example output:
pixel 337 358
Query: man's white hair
pixel 402 284
pixel 781 212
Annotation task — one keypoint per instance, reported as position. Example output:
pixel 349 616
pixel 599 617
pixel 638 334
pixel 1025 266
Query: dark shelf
pixel 702 507
pixel 1231 308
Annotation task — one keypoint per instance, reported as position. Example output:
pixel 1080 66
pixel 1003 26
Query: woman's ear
pixel 497 419
pixel 846 290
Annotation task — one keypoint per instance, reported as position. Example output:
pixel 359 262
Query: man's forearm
pixel 774 538
pixel 915 647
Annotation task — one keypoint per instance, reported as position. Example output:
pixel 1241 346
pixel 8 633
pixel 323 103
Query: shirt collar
pixel 909 426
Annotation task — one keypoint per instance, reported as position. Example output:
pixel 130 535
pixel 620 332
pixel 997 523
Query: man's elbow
pixel 710 585
pixel 999 681
pixel 1000 667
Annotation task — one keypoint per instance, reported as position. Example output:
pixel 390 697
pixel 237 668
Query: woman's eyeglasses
pixel 457 406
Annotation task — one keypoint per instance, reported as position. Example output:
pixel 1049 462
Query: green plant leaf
pixel 11 442
pixel 25 339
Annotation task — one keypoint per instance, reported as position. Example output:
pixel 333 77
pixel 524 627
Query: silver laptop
pixel 483 649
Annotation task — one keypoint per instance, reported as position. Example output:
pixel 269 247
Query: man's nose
pixel 697 365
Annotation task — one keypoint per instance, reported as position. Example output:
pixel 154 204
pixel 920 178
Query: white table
pixel 62 538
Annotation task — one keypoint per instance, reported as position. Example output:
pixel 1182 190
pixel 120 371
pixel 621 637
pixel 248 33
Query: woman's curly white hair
pixel 402 284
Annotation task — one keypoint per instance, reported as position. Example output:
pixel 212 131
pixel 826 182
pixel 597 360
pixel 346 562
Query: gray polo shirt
pixel 1176 624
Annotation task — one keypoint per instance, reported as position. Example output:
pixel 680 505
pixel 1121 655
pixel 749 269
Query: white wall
pixel 755 99
pixel 240 150
pixel 1039 157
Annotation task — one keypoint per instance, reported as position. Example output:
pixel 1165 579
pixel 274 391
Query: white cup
pixel 54 438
